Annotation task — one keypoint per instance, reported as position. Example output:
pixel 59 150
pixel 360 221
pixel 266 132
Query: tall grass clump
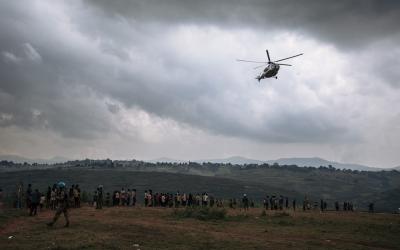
pixel 203 213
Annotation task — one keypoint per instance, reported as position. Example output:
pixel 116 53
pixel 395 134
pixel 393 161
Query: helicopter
pixel 272 66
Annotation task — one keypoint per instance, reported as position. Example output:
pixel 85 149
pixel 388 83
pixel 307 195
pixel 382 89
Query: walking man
pixel 62 198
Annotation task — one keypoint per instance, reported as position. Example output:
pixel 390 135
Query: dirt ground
pixel 158 228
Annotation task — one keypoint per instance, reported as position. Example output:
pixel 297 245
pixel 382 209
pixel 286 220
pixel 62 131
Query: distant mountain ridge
pixel 20 159
pixel 164 159
pixel 299 161
pixel 317 162
pixel 233 160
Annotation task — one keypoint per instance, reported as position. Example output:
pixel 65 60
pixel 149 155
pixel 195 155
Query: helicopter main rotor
pixel 269 60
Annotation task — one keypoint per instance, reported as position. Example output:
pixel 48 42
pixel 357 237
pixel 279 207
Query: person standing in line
pixel 156 198
pixel 265 202
pixel 129 197
pixel 35 199
pixel 281 202
pixel 190 200
pixel 177 199
pixel 133 197
pixel 371 207
pixel 42 201
pixel 163 200
pixel 95 198
pixel 117 198
pixel 184 199
pixel 48 197
pixel 53 199
pixel 123 197
pixel 99 197
pixel 271 201
pixel 245 202
pixel 146 202
pixel 212 201
pixel 79 195
pixel 150 198
pixel 71 196
pixel 19 194
pixel 205 199
pixel 170 200
pixel 76 196
pixel 29 196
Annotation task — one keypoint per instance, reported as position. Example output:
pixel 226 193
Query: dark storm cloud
pixel 43 86
pixel 59 77
pixel 346 23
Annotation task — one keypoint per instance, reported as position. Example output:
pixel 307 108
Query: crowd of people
pixel 56 198
pixel 347 206
pixel 277 202
pixel 71 198
pixel 35 200
pixel 128 197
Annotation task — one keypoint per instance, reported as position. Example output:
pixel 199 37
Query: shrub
pixel 204 213
pixel 281 214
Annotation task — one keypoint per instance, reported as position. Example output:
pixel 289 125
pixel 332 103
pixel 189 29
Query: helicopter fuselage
pixel 270 71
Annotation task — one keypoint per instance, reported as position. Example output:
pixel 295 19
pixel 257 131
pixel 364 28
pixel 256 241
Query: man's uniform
pixel 62 199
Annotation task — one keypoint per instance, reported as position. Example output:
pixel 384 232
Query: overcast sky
pixel 148 79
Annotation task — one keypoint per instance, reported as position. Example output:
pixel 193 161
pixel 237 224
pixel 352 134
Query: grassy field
pixel 361 188
pixel 158 228
pixel 157 181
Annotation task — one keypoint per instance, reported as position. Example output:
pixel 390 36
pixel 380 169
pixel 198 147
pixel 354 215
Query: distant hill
pixel 20 159
pixel 165 159
pixel 233 160
pixel 301 162
pixel 317 162
pixel 239 160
